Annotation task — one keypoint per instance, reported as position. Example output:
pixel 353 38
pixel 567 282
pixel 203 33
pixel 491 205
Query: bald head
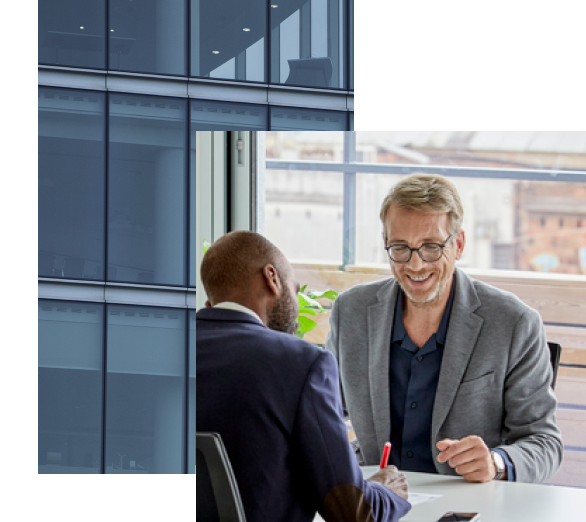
pixel 233 264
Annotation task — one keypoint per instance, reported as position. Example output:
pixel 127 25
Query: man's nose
pixel 415 263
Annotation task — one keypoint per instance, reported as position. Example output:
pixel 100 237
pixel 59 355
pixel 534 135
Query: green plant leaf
pixel 304 300
pixel 302 289
pixel 206 245
pixel 326 294
pixel 310 311
pixel 305 324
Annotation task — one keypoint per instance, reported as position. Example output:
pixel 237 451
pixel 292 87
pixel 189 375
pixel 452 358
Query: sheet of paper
pixel 419 498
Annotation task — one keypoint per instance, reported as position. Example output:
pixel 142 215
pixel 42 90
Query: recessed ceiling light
pixel 274 5
pixel 81 26
pixel 246 29
pixel 216 52
pixel 111 30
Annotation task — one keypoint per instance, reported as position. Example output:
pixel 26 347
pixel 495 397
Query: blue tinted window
pixel 71 183
pixel 148 36
pixel 72 33
pixel 191 396
pixel 228 39
pixel 285 118
pixel 147 189
pixel 351 47
pixel 70 387
pixel 307 43
pixel 145 390
pixel 225 116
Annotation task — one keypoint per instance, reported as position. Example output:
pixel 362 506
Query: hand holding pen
pixel 390 476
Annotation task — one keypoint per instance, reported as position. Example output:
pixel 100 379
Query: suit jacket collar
pixel 224 314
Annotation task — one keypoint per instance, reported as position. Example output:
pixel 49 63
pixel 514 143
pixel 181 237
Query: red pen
pixel 386 453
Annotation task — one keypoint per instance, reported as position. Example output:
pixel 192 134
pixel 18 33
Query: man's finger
pixel 459 447
pixel 476 453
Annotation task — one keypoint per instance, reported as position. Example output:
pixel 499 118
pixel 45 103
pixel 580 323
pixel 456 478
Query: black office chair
pixel 555 352
pixel 218 498
pixel 311 72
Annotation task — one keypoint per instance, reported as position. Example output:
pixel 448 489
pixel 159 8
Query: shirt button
pixel 420 358
pixel 413 405
pixel 410 454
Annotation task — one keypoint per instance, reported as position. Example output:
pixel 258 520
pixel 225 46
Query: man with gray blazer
pixel 455 373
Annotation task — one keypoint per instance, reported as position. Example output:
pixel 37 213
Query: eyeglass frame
pixel 440 245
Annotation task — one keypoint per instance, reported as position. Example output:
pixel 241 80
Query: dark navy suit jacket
pixel 275 401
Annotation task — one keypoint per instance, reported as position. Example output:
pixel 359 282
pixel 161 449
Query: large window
pixel 71 183
pixel 147 190
pixel 145 390
pixel 148 36
pixel 70 387
pixel 308 43
pixel 524 217
pixel 72 33
pixel 298 43
pixel 148 408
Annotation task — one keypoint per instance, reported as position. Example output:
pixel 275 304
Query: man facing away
pixel 274 398
pixel 454 372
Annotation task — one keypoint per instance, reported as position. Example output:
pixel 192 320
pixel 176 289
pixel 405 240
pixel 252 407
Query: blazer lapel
pixel 380 326
pixel 463 331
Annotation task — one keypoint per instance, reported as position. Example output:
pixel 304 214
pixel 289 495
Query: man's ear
pixel 272 280
pixel 460 243
pixel 208 304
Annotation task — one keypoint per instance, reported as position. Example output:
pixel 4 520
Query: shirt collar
pixel 229 305
pixel 399 332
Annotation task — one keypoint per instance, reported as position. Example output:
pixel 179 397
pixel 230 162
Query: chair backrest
pixel 218 497
pixel 311 72
pixel 555 351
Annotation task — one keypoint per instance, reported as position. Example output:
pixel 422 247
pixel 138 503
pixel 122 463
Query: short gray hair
pixel 426 193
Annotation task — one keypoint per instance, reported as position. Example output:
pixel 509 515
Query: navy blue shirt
pixel 413 378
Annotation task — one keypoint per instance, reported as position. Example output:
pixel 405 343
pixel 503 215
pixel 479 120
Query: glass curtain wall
pixel 147 189
pixel 72 33
pixel 228 39
pixel 308 43
pixel 71 180
pixel 145 390
pixel 70 387
pixel 148 36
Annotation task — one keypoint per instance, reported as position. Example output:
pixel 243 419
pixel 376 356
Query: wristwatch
pixel 499 464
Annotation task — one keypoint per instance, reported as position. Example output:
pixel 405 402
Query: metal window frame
pixel 349 167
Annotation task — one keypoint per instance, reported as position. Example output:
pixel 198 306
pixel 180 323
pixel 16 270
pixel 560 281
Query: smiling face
pixel 424 284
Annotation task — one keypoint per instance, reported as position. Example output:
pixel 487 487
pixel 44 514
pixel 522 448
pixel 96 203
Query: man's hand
pixel 393 479
pixel 470 457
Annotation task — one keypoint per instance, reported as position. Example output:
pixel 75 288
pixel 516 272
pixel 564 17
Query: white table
pixel 496 501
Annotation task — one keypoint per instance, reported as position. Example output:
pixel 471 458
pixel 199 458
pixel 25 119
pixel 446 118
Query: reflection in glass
pixel 145 390
pixel 191 396
pixel 228 39
pixel 226 116
pixel 70 387
pixel 148 36
pixel 307 43
pixel 285 118
pixel 71 33
pixel 146 187
pixel 71 183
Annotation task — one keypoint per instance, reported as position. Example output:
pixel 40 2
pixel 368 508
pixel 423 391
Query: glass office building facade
pixel 255 65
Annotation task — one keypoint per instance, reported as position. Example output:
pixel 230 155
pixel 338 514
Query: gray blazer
pixel 494 380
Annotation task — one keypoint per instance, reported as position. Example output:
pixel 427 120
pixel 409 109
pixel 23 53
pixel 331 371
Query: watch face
pixel 498 462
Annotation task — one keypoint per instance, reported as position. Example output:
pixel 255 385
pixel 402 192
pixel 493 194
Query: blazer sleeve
pixel 532 438
pixel 325 457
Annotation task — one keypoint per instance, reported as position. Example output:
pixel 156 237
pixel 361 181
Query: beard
pixel 283 315
pixel 430 298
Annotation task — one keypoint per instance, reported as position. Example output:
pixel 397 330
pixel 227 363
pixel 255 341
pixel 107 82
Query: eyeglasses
pixel 428 252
